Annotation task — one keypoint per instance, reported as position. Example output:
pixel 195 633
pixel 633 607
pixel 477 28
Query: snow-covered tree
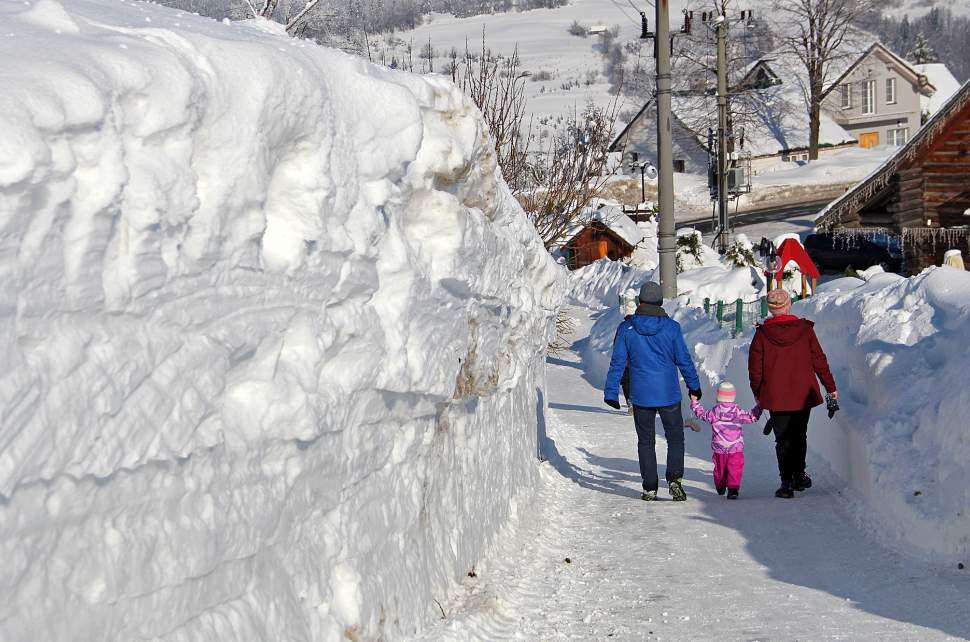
pixel 922 53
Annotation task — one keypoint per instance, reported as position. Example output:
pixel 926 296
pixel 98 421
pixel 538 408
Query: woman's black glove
pixel 612 403
pixel 832 405
pixel 769 426
pixel 696 394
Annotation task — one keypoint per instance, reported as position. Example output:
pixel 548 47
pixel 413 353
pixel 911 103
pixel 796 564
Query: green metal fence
pixel 738 314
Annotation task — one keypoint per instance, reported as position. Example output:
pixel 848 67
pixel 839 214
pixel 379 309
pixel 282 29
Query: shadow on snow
pixel 808 541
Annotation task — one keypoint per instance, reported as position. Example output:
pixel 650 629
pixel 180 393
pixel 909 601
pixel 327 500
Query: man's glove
pixel 612 403
pixel 696 394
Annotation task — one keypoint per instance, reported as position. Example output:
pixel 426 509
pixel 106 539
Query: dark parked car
pixel 833 253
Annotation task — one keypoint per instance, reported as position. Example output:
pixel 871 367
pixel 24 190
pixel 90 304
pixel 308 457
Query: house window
pixel 890 91
pixel 869 98
pixel 898 137
pixel 680 165
pixel 846 93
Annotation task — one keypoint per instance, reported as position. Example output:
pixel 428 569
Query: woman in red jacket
pixel 783 363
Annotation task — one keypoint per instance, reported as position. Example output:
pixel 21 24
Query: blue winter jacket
pixel 654 347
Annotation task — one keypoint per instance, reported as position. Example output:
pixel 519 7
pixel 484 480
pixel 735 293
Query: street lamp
pixel 647 170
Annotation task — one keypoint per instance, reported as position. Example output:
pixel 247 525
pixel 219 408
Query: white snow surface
pixel 273 330
pixel 846 166
pixel 946 85
pixel 593 562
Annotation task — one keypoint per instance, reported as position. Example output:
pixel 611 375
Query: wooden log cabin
pixel 596 241
pixel 921 193
pixel 603 231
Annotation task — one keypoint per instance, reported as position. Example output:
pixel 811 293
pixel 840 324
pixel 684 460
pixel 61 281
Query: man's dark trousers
pixel 791 443
pixel 673 422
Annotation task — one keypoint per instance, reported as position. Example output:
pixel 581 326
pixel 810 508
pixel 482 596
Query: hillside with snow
pixel 273 332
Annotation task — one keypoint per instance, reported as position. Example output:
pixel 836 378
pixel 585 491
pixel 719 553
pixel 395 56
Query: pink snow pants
pixel 727 469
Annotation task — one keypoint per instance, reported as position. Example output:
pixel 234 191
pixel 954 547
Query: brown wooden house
pixel 921 193
pixel 604 231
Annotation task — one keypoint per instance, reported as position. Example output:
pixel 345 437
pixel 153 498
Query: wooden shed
pixel 602 231
pixel 595 242
pixel 921 193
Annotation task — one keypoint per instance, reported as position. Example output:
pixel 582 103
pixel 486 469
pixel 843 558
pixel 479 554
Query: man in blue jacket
pixel 653 345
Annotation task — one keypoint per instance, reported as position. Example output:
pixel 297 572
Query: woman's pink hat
pixel 779 301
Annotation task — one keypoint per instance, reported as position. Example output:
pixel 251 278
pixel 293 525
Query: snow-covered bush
pixel 689 250
pixel 272 329
pixel 741 253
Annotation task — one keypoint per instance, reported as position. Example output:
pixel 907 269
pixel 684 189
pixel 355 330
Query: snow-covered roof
pixel 946 85
pixel 611 216
pixel 776 117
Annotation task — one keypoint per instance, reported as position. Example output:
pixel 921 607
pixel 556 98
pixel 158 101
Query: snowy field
pixel 544 45
pixel 272 328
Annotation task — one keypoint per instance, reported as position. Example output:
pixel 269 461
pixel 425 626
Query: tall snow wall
pixel 272 329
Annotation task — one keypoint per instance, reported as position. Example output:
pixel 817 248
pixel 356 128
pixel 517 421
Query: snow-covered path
pixel 755 569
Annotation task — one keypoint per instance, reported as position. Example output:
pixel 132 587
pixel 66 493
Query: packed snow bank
pixel 899 351
pixel 273 329
pixel 899 354
pixel 599 284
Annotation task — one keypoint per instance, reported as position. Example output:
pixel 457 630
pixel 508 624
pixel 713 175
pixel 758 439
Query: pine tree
pixel 922 53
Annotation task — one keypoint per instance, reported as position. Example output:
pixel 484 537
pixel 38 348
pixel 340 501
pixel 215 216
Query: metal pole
pixel 722 136
pixel 643 187
pixel 665 165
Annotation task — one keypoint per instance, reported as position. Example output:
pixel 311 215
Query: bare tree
pixel 497 87
pixel 555 179
pixel 815 32
pixel 569 171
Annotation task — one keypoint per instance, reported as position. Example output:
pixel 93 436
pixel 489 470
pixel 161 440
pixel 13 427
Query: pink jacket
pixel 727 419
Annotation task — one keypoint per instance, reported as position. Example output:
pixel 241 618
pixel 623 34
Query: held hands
pixel 612 403
pixel 695 395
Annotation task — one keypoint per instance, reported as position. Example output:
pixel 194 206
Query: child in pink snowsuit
pixel 727 441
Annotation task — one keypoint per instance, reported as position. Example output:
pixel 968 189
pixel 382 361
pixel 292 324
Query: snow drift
pixel 900 353
pixel 272 328
pixel 897 347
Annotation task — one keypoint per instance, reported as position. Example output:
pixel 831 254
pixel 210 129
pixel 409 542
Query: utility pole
pixel 665 169
pixel 724 223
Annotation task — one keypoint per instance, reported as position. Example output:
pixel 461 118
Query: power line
pixel 625 14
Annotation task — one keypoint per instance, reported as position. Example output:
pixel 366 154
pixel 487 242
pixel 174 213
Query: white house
pixel 878 98
pixel 770 109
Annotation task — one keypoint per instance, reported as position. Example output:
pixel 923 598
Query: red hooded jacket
pixel 784 359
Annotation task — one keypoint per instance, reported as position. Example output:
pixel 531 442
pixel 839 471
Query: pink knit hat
pixel 726 392
pixel 779 302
